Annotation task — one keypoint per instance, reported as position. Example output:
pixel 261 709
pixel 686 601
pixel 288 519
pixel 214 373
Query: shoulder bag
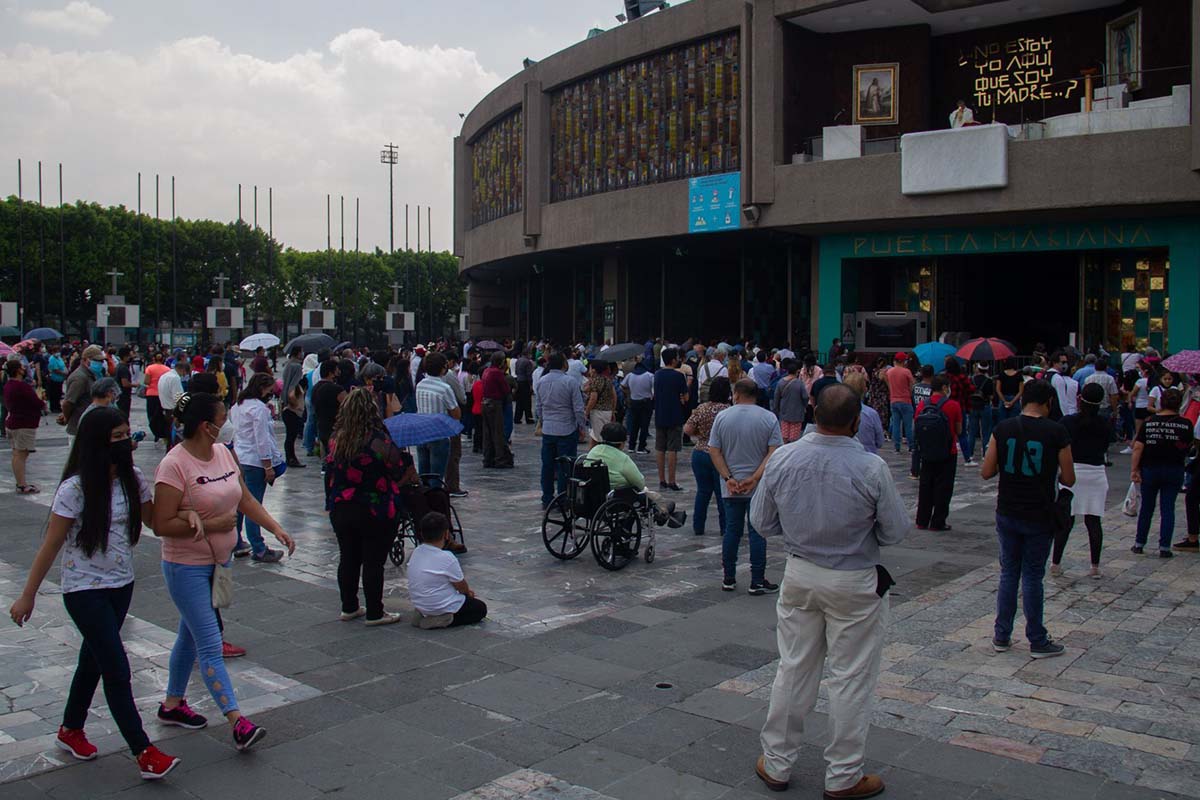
pixel 1058 505
pixel 222 578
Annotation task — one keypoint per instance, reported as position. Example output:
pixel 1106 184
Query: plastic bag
pixel 1133 501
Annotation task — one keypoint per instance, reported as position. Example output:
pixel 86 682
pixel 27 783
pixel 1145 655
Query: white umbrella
pixel 257 340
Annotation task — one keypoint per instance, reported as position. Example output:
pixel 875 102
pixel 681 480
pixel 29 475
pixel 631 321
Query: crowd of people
pixel 759 422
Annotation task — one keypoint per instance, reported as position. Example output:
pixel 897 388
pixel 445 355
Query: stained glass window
pixel 496 170
pixel 665 116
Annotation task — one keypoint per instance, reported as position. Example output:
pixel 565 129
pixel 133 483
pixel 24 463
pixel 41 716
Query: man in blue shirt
pixel 560 408
pixel 670 399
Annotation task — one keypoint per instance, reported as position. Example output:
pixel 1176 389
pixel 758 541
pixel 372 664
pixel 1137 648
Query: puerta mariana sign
pixel 715 202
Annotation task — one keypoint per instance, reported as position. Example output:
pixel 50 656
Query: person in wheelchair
pixel 624 474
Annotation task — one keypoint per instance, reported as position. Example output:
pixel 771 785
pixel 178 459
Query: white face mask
pixel 226 434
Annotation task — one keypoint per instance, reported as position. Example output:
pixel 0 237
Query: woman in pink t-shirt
pixel 204 483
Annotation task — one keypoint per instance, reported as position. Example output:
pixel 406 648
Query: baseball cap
pixel 901 356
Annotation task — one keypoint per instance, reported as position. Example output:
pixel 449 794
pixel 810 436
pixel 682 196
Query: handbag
pixel 1133 501
pixel 1061 517
pixel 222 578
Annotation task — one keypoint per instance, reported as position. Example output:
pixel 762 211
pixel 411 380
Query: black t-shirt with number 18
pixel 1166 439
pixel 1027 484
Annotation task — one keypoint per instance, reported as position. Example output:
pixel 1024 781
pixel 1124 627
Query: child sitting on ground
pixel 436 584
pixel 624 474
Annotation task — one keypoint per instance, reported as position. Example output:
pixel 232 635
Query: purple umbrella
pixel 1186 361
pixel 409 430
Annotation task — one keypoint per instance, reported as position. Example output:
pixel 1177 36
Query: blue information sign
pixel 715 202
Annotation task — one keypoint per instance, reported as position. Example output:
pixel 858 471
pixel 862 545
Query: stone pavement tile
pixel 398 783
pixel 967 757
pixel 721 706
pixel 524 743
pixel 645 615
pixel 446 717
pixel 1120 791
pixel 247 777
pixel 197 752
pixel 104 776
pixel 659 734
pixel 1141 741
pixel 462 766
pixel 708 673
pixel 726 756
pixel 608 627
pixel 1109 718
pixel 1085 755
pixel 1046 722
pixel 747 658
pixel 297 720
pixel 657 782
pixel 568 640
pixel 520 652
pixel 591 765
pixel 638 655
pixel 523 694
pixel 682 604
pixel 991 726
pixel 588 671
pixel 887 746
pixel 592 716
pixel 321 762
pixel 387 736
pixel 337 676
pixel 1019 779
pixel 1075 699
pixel 297 659
pixel 914 785
pixel 1170 782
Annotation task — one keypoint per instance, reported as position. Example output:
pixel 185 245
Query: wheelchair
pixel 431 484
pixel 590 512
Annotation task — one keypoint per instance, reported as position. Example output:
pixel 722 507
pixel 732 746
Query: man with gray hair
pixel 833 603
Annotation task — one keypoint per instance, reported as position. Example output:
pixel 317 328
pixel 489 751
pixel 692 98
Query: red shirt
pixel 495 384
pixel 961 390
pixel 900 382
pixel 23 405
pixel 477 397
pixel 953 412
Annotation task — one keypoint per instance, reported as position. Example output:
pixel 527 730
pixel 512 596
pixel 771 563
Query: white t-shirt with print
pixel 112 567
pixel 430 571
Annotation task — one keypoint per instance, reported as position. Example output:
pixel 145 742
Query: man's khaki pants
pixel 835 616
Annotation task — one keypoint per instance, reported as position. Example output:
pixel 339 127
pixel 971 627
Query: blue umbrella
pixel 409 430
pixel 42 334
pixel 934 353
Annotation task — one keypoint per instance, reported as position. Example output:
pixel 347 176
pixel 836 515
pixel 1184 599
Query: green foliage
pixel 175 264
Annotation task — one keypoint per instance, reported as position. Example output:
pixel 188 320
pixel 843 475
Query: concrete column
pixel 462 194
pixel 765 85
pixel 1183 287
pixel 536 130
pixel 611 295
pixel 827 289
pixel 1195 87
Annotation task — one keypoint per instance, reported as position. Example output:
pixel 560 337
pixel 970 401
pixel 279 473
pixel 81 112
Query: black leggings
pixel 363 543
pixel 1095 539
pixel 99 614
pixel 293 424
pixel 472 611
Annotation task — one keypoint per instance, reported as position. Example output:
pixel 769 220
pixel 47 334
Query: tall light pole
pixel 390 155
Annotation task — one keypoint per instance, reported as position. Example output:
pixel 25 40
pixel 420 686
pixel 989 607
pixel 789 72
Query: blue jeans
pixel 199 635
pixel 310 426
pixel 1161 484
pixel 1003 413
pixel 433 457
pixel 902 422
pixel 1024 548
pixel 256 482
pixel 708 483
pixel 978 428
pixel 737 511
pixel 508 419
pixel 553 448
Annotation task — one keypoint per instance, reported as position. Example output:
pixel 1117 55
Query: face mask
pixel 122 452
pixel 97 368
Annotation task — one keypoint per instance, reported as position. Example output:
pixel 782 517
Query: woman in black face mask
pixel 95 520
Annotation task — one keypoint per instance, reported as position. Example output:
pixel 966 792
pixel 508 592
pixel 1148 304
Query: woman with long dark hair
pixel 200 482
pixel 257 453
pixel 708 480
pixel 1089 442
pixel 362 493
pixel 405 391
pixel 95 520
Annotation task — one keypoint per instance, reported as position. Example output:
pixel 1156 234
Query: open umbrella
pixel 27 344
pixel 1186 361
pixel 933 353
pixel 986 350
pixel 409 430
pixel 5 350
pixel 257 340
pixel 488 344
pixel 621 352
pixel 41 334
pixel 310 342
pixel 342 346
pixel 9 330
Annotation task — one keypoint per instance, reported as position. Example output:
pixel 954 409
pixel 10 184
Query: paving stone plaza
pixel 645 683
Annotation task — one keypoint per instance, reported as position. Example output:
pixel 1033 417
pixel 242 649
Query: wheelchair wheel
pixel 650 554
pixel 397 551
pixel 559 534
pixel 616 535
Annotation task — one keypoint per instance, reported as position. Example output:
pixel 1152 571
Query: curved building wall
pixel 498 170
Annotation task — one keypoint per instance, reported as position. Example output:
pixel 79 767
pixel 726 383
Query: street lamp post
pixel 390 155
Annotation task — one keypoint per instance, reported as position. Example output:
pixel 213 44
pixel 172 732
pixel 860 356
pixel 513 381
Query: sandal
pixel 27 489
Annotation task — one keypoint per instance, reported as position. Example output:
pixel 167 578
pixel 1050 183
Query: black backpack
pixel 931 429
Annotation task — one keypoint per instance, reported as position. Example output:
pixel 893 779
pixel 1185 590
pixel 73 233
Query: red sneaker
pixel 232 650
pixel 155 764
pixel 75 742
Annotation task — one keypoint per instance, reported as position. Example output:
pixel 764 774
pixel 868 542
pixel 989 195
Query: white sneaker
pixel 386 619
pixel 1127 451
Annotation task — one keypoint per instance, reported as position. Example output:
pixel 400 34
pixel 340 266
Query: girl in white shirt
pixel 1165 383
pixel 258 454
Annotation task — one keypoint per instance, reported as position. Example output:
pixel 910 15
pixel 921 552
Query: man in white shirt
pixel 414 364
pixel 640 385
pixel 170 389
pixel 436 584
pixel 961 115
pixel 1064 385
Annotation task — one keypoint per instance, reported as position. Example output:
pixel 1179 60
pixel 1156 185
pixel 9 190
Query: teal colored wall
pixel 1181 236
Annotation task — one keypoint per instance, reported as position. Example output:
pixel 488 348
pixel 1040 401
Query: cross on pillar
pixel 396 287
pixel 314 284
pixel 113 272
pixel 220 280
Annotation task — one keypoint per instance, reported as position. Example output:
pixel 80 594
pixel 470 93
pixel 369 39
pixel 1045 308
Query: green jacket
pixel 622 472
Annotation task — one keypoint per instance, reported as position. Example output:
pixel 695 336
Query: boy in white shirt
pixel 436 584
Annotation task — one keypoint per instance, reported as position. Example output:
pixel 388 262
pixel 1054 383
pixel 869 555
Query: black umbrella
pixel 488 344
pixel 310 342
pixel 342 346
pixel 622 352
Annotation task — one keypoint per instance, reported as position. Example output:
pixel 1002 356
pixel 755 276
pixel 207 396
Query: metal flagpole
pixel 174 264
pixel 139 253
pixel 20 248
pixel 41 250
pixel 157 267
pixel 62 257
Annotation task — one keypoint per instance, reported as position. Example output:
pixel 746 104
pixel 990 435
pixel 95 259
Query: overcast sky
pixel 295 94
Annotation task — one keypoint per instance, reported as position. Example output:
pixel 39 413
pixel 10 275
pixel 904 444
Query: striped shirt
pixel 434 396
